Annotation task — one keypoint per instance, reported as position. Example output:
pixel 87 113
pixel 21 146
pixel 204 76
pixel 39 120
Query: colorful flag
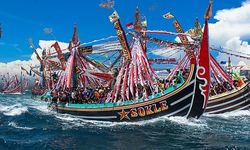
pixel 209 11
pixel 144 23
pixel 75 39
pixel 77 70
pixel 114 17
pixel 108 4
pixel 60 54
pixel 223 62
pixel 168 16
pixel 47 30
pixel 130 25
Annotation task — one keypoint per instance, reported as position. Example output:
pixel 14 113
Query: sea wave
pixel 13 110
pixel 41 108
pixel 77 121
pixel 14 125
pixel 229 115
pixel 189 122
pixel 74 121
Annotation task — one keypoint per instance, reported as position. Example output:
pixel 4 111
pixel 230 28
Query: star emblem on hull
pixel 123 114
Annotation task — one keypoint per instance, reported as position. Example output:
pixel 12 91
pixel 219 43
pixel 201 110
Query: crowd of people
pixel 102 94
pixel 82 95
pixel 180 76
pixel 219 88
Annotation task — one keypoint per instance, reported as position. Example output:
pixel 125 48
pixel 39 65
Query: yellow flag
pixel 114 17
pixel 144 23
pixel 168 16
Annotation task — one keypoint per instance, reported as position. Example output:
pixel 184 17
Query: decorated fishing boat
pixel 44 78
pixel 39 87
pixel 228 93
pixel 130 98
pixel 237 99
pixel 15 86
pixel 4 82
pixel 38 91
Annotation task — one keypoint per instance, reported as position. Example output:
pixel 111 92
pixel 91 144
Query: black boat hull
pixel 237 100
pixel 174 105
pixel 186 101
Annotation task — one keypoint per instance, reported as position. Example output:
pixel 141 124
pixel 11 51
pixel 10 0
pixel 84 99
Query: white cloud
pixel 14 67
pixel 232 31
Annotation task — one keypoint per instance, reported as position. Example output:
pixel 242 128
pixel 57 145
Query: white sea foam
pixel 189 122
pixel 18 93
pixel 37 105
pixel 14 125
pixel 13 110
pixel 78 121
pixel 75 121
pixel 231 114
pixel 3 108
pixel 66 117
pixel 42 108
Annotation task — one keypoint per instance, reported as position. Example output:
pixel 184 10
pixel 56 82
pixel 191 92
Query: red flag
pixel 209 11
pixel 60 54
pixel 130 25
pixel 125 82
pixel 204 67
pixel 75 38
pixel 132 80
pixel 104 76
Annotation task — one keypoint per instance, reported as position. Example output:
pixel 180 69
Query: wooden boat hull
pixel 37 92
pixel 235 100
pixel 139 111
pixel 185 101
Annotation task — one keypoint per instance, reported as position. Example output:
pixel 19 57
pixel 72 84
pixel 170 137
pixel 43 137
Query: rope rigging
pixel 224 52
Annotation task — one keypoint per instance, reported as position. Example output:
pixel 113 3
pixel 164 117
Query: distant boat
pixel 235 98
pixel 15 86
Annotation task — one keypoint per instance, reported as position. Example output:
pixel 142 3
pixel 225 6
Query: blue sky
pixel 23 19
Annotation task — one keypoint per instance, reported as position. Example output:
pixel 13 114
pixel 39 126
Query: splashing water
pixel 13 110
pixel 28 124
pixel 229 115
pixel 14 125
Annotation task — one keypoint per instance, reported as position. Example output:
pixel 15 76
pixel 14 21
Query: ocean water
pixel 28 124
